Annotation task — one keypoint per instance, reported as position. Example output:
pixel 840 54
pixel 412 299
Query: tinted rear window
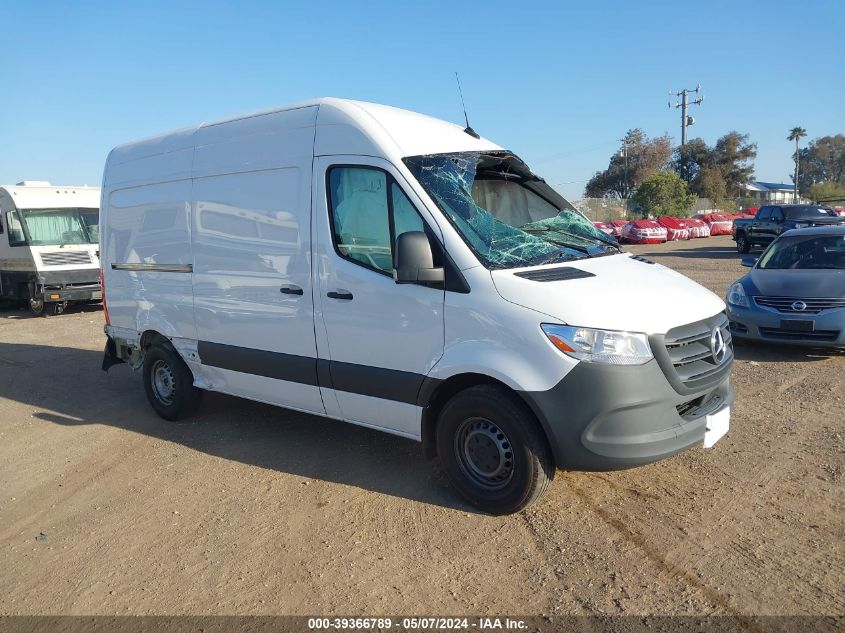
pixel 807 211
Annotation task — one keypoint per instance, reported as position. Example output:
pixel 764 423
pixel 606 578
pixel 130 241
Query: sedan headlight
pixel 599 346
pixel 737 296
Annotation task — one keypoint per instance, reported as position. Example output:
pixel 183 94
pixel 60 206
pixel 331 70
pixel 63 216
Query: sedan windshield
pixel 57 227
pixel 507 215
pixel 805 252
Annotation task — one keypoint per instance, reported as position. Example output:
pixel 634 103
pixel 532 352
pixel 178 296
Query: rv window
pixel 16 235
pixel 361 214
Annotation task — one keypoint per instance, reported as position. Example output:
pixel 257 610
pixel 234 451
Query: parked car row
pixel 668 228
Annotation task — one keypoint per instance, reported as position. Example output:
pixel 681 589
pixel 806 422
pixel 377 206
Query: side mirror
pixel 748 261
pixel 414 261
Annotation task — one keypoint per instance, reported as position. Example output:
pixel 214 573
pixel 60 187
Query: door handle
pixel 290 290
pixel 340 294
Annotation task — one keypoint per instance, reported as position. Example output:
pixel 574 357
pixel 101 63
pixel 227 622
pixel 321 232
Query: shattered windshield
pixel 507 215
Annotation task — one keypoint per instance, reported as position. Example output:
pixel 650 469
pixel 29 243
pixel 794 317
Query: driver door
pixel 376 339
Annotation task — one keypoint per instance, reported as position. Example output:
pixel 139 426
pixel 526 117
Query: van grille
pixel 686 356
pixel 64 258
pixel 809 305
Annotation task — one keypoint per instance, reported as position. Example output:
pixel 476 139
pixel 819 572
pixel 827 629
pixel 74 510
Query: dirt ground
pixel 249 509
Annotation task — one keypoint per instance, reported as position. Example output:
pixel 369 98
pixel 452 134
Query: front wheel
pixel 169 383
pixel 493 450
pixel 742 244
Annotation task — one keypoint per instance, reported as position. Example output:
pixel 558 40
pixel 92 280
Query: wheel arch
pixel 435 393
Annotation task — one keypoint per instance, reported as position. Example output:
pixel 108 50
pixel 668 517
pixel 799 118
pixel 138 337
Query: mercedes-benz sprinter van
pixel 388 269
pixel 49 253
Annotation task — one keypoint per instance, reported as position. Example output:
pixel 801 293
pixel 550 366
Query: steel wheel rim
pixel 163 382
pixel 36 305
pixel 484 453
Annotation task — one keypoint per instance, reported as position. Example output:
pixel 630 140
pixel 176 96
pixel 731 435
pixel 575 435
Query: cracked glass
pixel 507 215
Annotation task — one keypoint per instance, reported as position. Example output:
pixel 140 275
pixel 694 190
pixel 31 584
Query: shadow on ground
pixel 713 252
pixel 15 311
pixel 774 352
pixel 67 387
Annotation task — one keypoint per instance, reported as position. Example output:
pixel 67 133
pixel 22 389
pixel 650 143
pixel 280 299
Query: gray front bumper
pixel 604 417
pixel 746 323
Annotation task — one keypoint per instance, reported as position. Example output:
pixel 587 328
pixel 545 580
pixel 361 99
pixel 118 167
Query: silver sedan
pixel 795 291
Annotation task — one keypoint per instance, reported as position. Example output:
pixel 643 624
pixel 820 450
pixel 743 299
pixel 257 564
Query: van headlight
pixel 737 296
pixel 599 346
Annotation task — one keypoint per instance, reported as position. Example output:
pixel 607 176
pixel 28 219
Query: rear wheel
pixel 493 450
pixel 742 243
pixel 169 383
pixel 36 306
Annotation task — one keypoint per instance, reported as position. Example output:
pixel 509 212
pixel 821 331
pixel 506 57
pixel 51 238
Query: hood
pixel 795 283
pixel 621 293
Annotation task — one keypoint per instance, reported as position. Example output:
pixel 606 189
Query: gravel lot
pixel 249 509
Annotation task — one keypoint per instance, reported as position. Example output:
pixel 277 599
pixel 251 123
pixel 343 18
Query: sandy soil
pixel 248 509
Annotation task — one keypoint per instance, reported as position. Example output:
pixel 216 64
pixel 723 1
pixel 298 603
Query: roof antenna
pixel 467 129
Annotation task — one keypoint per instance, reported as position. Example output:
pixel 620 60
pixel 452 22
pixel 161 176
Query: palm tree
pixel 796 134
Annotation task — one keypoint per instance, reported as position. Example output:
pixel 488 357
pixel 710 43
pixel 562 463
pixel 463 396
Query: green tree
pixel 709 183
pixel 663 193
pixel 733 156
pixel 625 173
pixel 828 192
pixel 690 158
pixel 822 160
pixel 796 134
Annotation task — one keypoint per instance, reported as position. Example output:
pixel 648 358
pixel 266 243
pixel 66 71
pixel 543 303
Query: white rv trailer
pixel 49 245
pixel 384 268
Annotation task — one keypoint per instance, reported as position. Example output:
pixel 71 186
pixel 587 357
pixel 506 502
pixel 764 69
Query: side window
pixel 368 209
pixel 405 216
pixel 16 236
pixel 777 214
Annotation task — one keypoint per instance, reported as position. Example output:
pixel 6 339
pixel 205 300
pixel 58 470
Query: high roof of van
pixel 42 195
pixel 343 127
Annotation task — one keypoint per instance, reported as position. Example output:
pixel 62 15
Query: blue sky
pixel 557 83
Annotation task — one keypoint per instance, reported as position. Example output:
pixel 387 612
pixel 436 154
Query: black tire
pixel 493 450
pixel 55 308
pixel 36 306
pixel 169 383
pixel 742 244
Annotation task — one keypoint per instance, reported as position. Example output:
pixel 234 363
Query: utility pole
pixel 624 154
pixel 686 119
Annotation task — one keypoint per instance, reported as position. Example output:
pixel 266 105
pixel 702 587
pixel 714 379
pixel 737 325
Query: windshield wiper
pixel 563 254
pixel 576 236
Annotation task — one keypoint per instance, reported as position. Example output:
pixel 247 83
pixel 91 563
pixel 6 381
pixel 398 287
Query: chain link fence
pixel 607 209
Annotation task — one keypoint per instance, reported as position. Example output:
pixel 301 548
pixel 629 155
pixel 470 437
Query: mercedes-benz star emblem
pixel 717 345
pixel 799 306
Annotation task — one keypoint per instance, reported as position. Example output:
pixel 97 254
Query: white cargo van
pixel 388 269
pixel 49 253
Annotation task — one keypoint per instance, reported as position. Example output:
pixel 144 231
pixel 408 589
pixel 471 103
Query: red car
pixel 719 223
pixel 643 232
pixel 604 227
pixel 698 228
pixel 676 228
